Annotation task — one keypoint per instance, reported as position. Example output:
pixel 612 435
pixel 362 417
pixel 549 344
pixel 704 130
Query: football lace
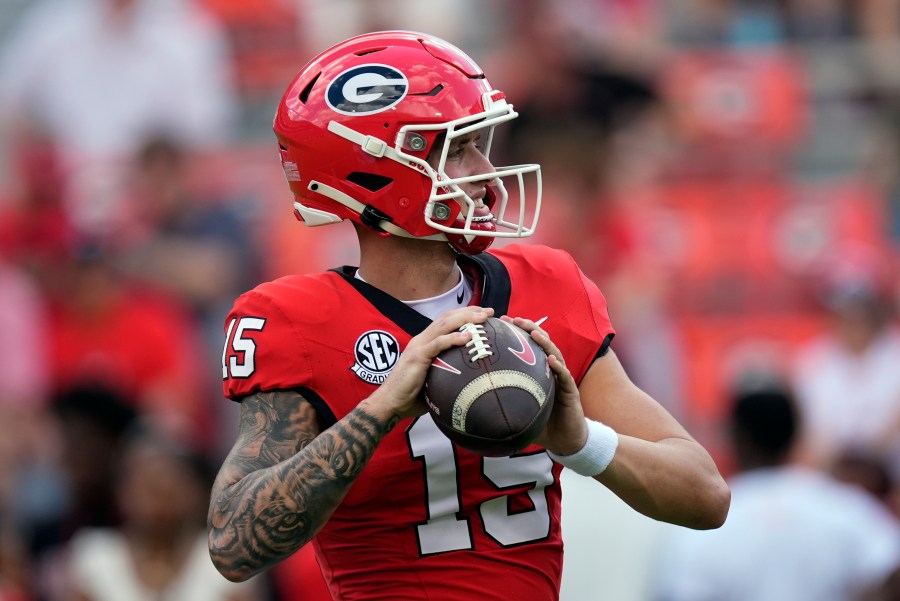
pixel 478 346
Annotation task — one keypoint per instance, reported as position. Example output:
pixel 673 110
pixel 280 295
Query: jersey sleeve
pixel 547 282
pixel 587 316
pixel 257 332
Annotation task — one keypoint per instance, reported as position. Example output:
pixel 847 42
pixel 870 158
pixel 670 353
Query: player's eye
pixel 460 147
pixel 456 151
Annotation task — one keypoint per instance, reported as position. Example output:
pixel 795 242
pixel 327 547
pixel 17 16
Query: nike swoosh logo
pixel 526 353
pixel 441 364
pixel 459 297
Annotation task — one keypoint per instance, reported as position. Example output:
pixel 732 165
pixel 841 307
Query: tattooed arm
pixel 282 479
pixel 285 476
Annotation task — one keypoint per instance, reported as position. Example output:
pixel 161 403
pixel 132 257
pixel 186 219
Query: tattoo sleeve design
pixel 283 479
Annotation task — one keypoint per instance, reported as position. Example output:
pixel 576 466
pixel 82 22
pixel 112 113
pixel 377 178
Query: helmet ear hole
pixel 370 181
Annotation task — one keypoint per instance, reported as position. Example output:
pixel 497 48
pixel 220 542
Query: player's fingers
pixel 564 378
pixel 455 318
pixel 538 334
pixel 437 345
pixel 523 322
pixel 445 332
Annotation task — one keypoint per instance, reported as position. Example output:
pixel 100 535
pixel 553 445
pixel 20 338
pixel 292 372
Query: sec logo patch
pixel 366 90
pixel 376 352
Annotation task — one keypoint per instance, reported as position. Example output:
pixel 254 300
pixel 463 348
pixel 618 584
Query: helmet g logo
pixel 366 89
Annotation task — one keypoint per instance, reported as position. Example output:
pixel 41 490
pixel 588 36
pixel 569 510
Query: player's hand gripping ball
pixel 494 395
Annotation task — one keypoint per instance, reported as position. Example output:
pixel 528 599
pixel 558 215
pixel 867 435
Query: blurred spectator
pixel 196 244
pixel 194 238
pixel 637 243
pixel 889 591
pixel 792 533
pixel 604 180
pixel 90 423
pixel 23 323
pixel 99 76
pixel 870 472
pixel 819 20
pixel 159 550
pixel 266 44
pixel 723 23
pixel 568 82
pixel 326 22
pixel 35 228
pixel 16 570
pixel 107 329
pixel 847 381
pixel 26 446
pixel 591 114
pixel 881 167
pixel 879 26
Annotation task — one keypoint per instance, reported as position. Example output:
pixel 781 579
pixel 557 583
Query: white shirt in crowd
pixel 792 534
pixel 102 569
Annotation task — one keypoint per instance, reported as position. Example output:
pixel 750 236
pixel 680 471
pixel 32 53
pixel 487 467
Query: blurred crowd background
pixel 728 172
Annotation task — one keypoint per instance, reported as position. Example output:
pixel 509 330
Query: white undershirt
pixel 458 296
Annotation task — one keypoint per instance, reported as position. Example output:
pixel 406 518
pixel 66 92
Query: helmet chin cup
pixel 472 244
pixel 469 245
pixel 465 239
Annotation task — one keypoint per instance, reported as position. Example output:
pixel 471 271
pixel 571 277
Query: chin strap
pixel 370 217
pixel 315 217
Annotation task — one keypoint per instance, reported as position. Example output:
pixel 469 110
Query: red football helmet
pixel 355 129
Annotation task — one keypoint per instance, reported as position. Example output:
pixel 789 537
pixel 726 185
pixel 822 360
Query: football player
pixel 392 131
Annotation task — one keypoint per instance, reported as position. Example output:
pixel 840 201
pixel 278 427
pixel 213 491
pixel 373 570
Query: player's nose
pixel 480 164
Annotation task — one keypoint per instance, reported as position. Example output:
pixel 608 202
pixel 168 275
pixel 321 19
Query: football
pixel 494 395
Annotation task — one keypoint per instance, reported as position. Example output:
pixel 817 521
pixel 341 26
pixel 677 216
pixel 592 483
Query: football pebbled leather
pixel 494 395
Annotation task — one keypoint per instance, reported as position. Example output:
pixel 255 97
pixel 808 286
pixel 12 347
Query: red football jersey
pixel 425 519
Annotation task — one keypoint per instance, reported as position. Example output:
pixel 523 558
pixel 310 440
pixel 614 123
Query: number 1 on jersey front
pixel 444 530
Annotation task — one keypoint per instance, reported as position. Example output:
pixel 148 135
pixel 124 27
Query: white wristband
pixel 596 454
